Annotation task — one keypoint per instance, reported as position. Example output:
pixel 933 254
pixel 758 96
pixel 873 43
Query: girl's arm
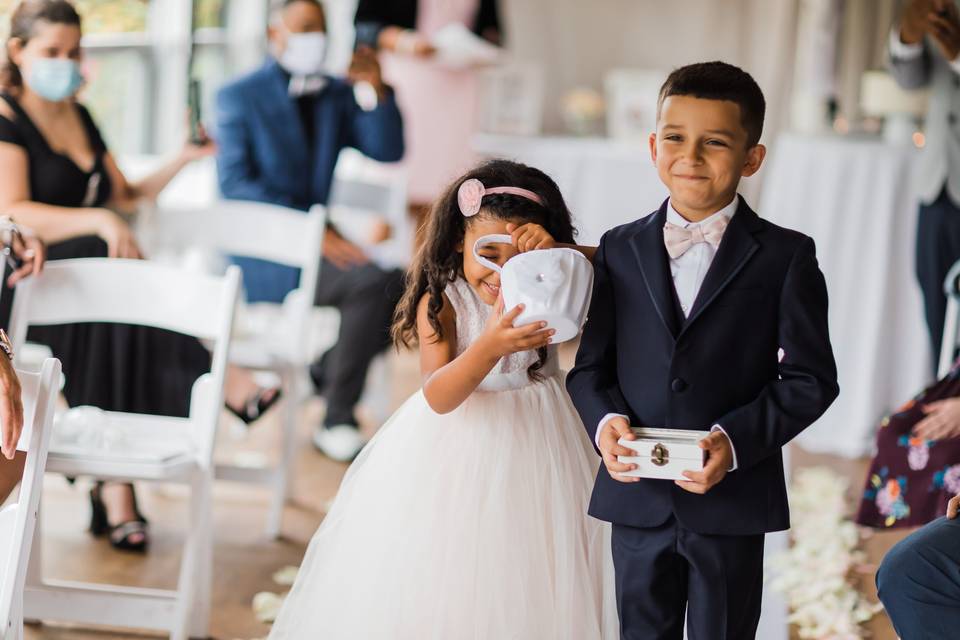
pixel 449 380
pixel 531 236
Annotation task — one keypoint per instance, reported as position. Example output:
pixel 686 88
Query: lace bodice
pixel 472 314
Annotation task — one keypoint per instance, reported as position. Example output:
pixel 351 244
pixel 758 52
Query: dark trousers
pixel 661 572
pixel 366 297
pixel 919 582
pixel 938 248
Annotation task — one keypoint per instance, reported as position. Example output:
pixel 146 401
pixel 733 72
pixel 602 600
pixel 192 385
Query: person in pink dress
pixel 439 103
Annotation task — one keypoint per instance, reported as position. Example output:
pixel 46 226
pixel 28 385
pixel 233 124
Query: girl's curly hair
pixel 438 262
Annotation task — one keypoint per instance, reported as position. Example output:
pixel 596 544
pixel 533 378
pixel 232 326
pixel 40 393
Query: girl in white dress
pixel 465 517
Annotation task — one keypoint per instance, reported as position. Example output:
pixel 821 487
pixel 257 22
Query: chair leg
pixel 200 613
pixel 35 564
pixel 281 483
pixel 194 583
pixel 16 618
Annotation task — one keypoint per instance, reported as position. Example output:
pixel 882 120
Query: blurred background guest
pixel 924 50
pixel 58 178
pixel 439 103
pixel 281 129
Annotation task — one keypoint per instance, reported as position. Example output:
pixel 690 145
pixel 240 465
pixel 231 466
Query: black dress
pixel 116 367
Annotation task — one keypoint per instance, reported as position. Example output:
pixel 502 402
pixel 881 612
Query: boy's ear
pixel 653 147
pixel 755 156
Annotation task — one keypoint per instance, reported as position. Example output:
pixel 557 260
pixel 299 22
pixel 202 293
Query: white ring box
pixel 664 454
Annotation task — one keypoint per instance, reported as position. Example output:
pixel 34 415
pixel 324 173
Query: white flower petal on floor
pixel 266 606
pixel 286 576
pixel 815 572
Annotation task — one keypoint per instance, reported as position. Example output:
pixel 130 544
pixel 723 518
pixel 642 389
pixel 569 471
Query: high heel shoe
pixel 256 406
pixel 120 534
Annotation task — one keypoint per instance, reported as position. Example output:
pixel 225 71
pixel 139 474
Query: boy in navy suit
pixel 704 317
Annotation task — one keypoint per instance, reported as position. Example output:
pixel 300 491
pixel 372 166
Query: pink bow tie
pixel 678 240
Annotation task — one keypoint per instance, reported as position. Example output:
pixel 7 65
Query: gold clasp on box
pixel 660 455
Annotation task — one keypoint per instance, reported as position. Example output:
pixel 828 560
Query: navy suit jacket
pixel 264 154
pixel 263 151
pixel 763 291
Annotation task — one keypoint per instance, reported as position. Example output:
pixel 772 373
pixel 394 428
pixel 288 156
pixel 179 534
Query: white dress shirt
pixel 688 272
pixel 903 51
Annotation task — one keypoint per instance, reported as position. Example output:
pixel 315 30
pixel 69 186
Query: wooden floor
pixel 244 558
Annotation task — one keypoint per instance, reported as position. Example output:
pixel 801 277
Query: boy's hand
pixel 719 459
pixel 953 507
pixel 528 237
pixel 610 434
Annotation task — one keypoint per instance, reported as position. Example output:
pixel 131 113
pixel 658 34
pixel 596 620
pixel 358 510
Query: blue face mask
pixel 54 79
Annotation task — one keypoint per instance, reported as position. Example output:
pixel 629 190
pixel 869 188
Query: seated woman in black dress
pixel 58 179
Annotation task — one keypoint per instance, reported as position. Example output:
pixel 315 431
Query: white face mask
pixel 304 53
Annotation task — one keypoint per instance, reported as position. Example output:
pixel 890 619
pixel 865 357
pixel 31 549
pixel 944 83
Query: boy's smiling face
pixel 701 151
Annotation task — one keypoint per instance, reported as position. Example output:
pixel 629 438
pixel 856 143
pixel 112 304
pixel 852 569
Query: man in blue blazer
pixel 280 130
pixel 704 317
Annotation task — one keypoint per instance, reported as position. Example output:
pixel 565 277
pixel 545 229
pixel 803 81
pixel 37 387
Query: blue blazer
pixel 264 155
pixel 763 291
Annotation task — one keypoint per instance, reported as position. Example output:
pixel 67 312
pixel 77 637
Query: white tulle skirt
pixel 470 525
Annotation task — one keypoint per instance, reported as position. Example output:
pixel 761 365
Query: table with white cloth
pixel 604 182
pixel 608 183
pixel 854 198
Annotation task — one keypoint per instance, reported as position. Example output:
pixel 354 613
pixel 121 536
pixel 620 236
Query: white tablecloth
pixel 604 182
pixel 854 198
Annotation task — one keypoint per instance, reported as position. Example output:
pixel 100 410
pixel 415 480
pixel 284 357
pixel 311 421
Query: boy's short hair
pixel 720 81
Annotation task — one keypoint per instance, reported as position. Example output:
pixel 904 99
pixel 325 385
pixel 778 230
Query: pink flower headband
pixel 471 192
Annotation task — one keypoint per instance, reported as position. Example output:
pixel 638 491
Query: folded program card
pixel 664 454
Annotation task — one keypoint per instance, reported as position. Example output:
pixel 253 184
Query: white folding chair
pixel 17 521
pixel 152 448
pixel 363 191
pixel 268 337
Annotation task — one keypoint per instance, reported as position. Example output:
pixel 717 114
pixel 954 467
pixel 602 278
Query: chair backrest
pixel 361 195
pixel 17 521
pixel 248 229
pixel 140 293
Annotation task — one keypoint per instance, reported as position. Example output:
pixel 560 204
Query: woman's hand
pixel 527 237
pixel 501 338
pixel 953 507
pixel 119 236
pixel 195 151
pixel 11 408
pixel 31 253
pixel 405 41
pixel 942 420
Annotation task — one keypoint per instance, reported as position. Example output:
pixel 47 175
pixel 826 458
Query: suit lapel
pixel 650 252
pixel 735 250
pixel 283 116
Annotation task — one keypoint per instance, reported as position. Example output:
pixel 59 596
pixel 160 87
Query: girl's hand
pixel 119 237
pixel 502 338
pixel 942 420
pixel 528 237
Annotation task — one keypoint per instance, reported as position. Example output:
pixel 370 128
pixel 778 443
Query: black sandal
pixel 119 534
pixel 256 406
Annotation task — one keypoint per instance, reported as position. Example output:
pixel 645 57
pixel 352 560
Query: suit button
pixel 678 385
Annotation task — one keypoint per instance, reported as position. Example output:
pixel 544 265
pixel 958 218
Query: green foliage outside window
pixel 99 16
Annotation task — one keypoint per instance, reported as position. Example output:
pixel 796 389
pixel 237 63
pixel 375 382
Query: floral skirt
pixel 911 479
